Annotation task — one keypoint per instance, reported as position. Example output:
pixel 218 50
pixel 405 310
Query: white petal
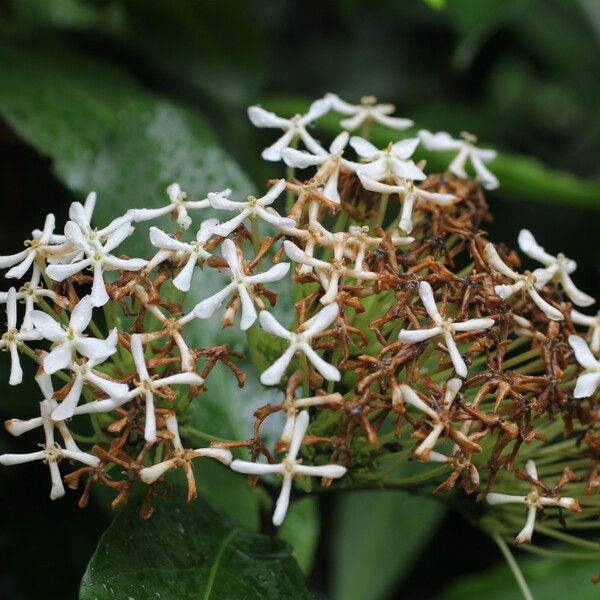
pixel 273 375
pixel 275 273
pixel 160 239
pixel 322 320
pixel 259 117
pixel 531 248
pixel 16 372
pixel 271 325
pixel 414 336
pixel 459 364
pixel 301 159
pixel 493 259
pixel 248 311
pixel 180 379
pixel 183 280
pixel 582 353
pixel 137 351
pixel 364 148
pixel 251 468
pixel 273 152
pixel 66 408
pixel 329 372
pixel 576 295
pixel 405 148
pixel 473 325
pixel 94 348
pixel 587 384
pixel 58 358
pixel 61 272
pixel 206 308
pixel 283 501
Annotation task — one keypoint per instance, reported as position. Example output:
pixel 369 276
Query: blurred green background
pixel 127 96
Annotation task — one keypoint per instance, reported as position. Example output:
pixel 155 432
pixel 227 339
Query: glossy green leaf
pixel 189 551
pixel 377 536
pixel 547 578
pixel 521 177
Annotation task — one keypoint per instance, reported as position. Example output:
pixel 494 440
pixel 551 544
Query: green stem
pixel 382 209
pixel 514 567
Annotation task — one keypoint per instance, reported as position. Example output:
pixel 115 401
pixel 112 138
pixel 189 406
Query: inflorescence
pixel 411 336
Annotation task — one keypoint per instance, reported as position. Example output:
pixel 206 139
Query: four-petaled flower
pixel 589 380
pixel 329 164
pixel 252 208
pixel 294 128
pixel 52 453
pixel 174 248
pixel 330 273
pixel 180 457
pixel 367 112
pixel 241 285
pixel 391 164
pixel 290 467
pixel 70 339
pixel 443 326
pixel 96 246
pixel 534 502
pixel 178 205
pixel 556 268
pixel 37 248
pixel 524 281
pixel 466 150
pixel 148 386
pixel 13 337
pixel 85 373
pixel 299 341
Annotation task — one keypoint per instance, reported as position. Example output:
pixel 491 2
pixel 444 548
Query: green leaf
pixel 188 551
pixel 521 177
pixel 378 532
pixel 436 4
pixel 547 578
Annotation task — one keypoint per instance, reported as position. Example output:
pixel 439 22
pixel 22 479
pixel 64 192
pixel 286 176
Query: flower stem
pixel 514 567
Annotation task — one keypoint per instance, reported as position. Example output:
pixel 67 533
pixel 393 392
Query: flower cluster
pixel 406 331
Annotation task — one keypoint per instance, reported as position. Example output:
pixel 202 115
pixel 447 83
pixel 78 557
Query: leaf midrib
pixel 218 556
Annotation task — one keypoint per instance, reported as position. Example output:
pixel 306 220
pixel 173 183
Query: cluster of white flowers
pixel 85 255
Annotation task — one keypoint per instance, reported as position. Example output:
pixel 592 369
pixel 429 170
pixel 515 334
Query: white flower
pixel 290 467
pixel 359 241
pixel 589 380
pixel 294 128
pixel 252 208
pixel 593 322
pixel 410 195
pixel 330 273
pixel 148 386
pixel 36 248
pixel 96 246
pixel 241 284
pixel 299 342
pixel 31 292
pixel 557 268
pixel 13 337
pixel 84 373
pixel 446 327
pixel 178 205
pixel 439 418
pixel 182 457
pixel 51 453
pixel 391 164
pixel 466 150
pixel 524 281
pixel 193 251
pixel 19 426
pixel 70 339
pixel 293 406
pixel 534 501
pixel 329 164
pixel 368 111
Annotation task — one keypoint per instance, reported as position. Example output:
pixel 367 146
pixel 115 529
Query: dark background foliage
pixel 522 74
